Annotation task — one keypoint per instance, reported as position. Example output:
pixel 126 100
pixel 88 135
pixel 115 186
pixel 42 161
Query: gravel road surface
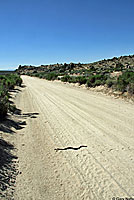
pixel 76 144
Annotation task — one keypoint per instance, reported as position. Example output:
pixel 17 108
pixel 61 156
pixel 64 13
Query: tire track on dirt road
pixel 72 117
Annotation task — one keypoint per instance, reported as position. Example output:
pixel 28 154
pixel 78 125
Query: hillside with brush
pixel 116 74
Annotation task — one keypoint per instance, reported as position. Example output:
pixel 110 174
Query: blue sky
pixel 49 31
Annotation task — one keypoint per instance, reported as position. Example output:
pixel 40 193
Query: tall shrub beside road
pixel 7 82
pixel 125 82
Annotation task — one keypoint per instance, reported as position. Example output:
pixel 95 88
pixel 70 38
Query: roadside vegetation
pixel 116 74
pixel 7 83
pixel 125 82
pixel 96 77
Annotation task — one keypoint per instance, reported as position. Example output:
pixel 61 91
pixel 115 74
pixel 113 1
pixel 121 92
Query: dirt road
pixel 60 116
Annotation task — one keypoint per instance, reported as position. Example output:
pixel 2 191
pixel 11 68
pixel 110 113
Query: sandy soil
pixel 61 116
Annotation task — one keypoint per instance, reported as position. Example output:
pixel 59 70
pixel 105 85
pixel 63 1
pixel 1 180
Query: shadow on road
pixel 16 90
pixel 8 170
pixel 9 125
pixel 23 86
pixel 31 115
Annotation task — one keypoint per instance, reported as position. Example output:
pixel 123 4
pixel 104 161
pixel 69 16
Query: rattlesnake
pixel 72 148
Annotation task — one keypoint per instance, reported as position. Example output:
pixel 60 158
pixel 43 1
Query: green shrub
pixel 110 82
pixel 72 79
pixel 65 78
pixel 125 81
pixel 4 104
pixel 88 83
pixel 121 85
pixel 40 75
pixel 130 88
pixel 91 79
pixel 97 83
pixel 119 67
pixel 81 80
pixel 51 76
pixel 7 82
